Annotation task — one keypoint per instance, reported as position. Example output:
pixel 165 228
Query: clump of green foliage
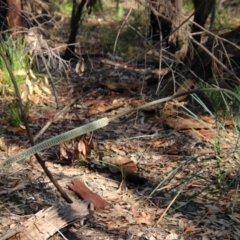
pixel 14 115
pixel 220 101
pixel 16 51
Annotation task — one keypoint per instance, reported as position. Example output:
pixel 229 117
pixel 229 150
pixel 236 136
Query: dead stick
pixel 24 118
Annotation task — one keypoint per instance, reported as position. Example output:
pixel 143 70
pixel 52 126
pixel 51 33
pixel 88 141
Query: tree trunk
pixel 10 15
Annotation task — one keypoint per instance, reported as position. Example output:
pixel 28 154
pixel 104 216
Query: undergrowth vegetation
pixel 115 28
pixel 16 50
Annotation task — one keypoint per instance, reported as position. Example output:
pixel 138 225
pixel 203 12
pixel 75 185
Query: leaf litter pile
pixel 160 173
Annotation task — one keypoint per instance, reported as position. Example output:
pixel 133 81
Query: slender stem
pixel 24 119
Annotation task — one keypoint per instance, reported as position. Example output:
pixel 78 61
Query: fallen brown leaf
pixel 207 134
pixel 146 218
pixel 85 193
pixel 186 86
pixel 187 123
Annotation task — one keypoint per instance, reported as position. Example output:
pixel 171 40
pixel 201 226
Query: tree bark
pixel 10 15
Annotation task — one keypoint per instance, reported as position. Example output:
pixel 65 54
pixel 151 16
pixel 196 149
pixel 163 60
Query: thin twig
pixel 56 116
pixel 218 61
pixel 170 204
pixel 119 31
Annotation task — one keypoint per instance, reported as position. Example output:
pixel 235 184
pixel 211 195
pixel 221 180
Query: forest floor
pixel 161 173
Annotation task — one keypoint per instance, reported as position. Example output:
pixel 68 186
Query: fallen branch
pixel 47 222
